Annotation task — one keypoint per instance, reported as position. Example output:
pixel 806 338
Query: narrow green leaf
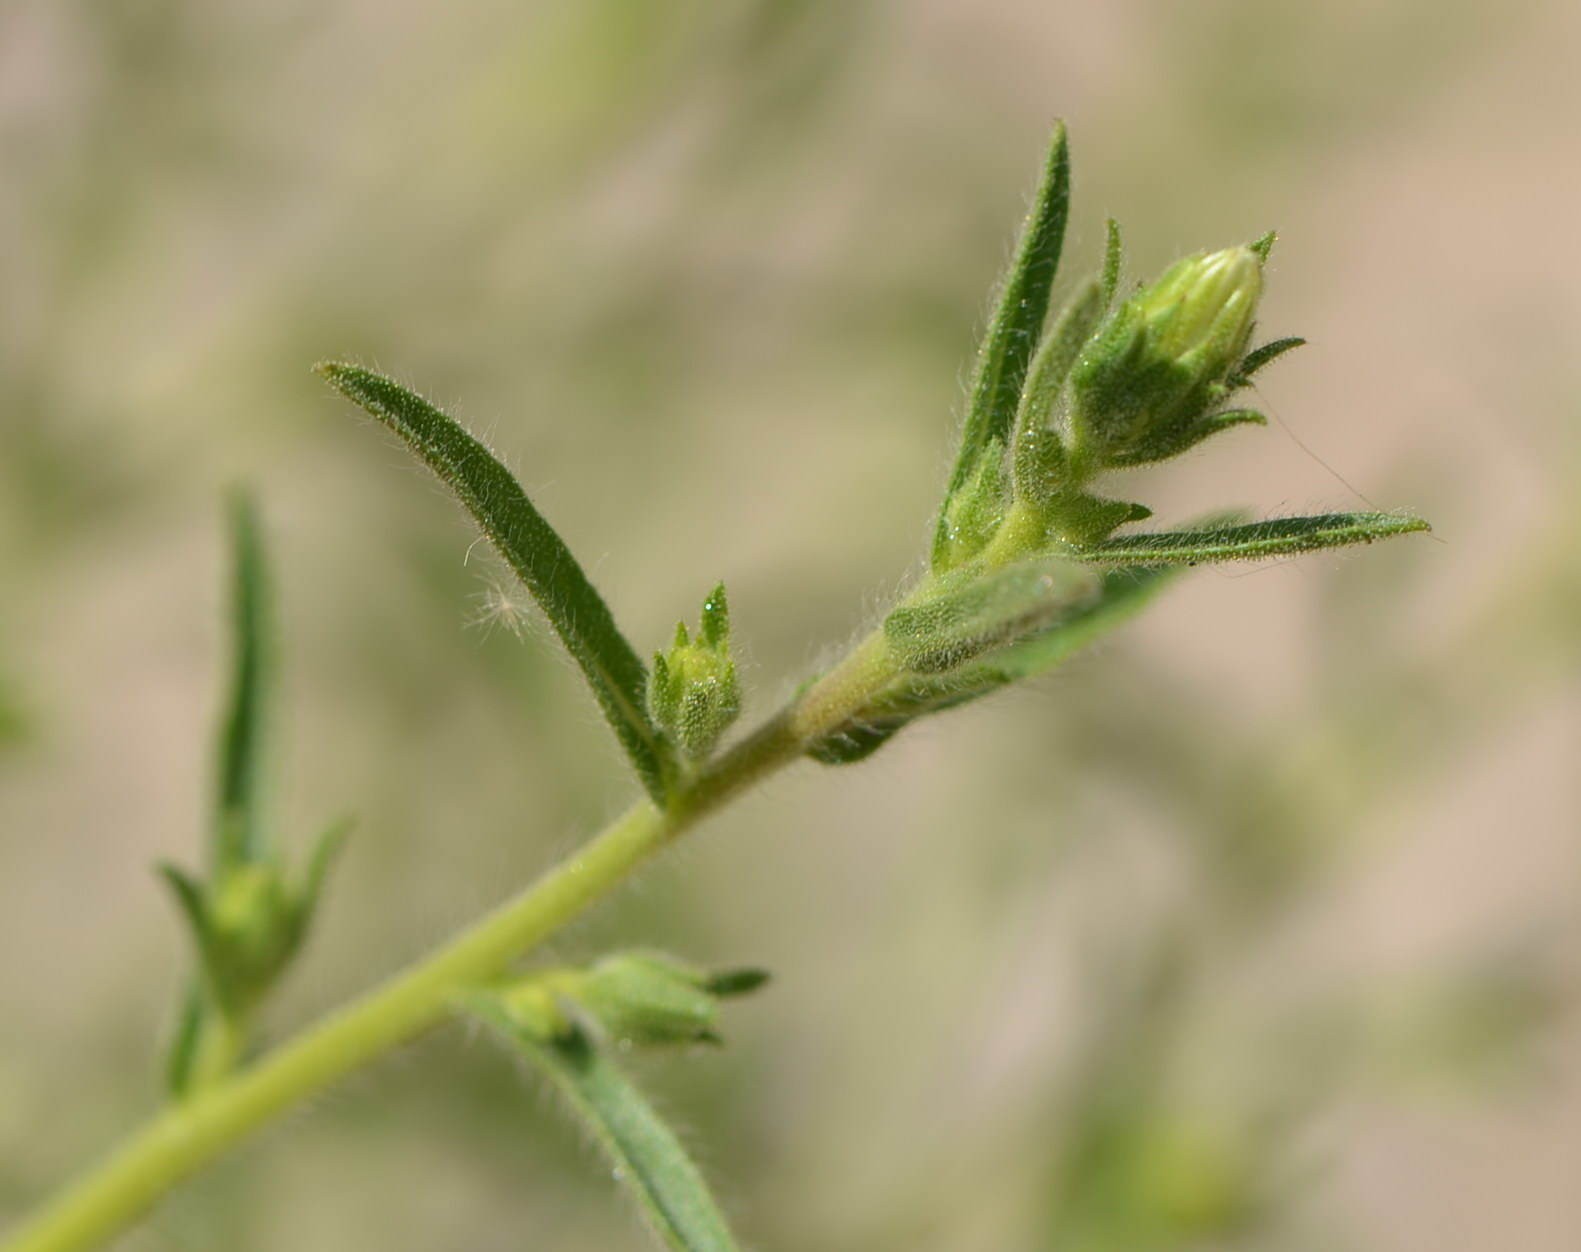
pixel 647 1156
pixel 1016 326
pixel 1173 443
pixel 963 617
pixel 728 983
pixel 1056 355
pixel 532 548
pixel 1257 358
pixel 1125 593
pixel 239 836
pixel 1122 594
pixel 319 862
pixel 1112 256
pixel 1284 536
pixel 853 744
pixel 183 1056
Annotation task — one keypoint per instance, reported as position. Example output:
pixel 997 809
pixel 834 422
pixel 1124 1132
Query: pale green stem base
pixel 185 1137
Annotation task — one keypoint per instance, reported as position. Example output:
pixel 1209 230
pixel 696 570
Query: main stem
pixel 187 1136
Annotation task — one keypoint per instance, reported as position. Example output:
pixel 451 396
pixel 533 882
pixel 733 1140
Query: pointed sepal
pixel 1262 356
pixel 1169 443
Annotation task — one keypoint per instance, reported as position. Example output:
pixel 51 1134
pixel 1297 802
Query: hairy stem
pixel 185 1137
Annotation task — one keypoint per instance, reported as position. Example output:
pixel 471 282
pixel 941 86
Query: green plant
pixel 1028 563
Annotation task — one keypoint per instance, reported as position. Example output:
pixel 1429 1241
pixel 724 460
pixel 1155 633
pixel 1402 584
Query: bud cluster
pixel 632 999
pixel 1109 390
pixel 692 692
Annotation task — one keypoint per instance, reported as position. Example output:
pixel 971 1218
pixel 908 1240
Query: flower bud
pixel 255 919
pixel 649 1000
pixel 1147 385
pixel 692 692
pixel 1204 305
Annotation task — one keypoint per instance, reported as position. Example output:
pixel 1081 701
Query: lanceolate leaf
pixel 239 834
pixel 1017 324
pixel 1122 594
pixel 1125 592
pixel 647 1156
pixel 1277 537
pixel 532 548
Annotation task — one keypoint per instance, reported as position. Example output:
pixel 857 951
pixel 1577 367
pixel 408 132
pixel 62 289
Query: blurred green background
pixel 1255 928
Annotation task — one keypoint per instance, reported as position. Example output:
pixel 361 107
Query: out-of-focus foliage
pixel 1252 929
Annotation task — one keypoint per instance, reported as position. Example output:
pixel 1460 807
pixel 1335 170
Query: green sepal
pixel 1014 330
pixel 727 984
pixel 1251 542
pixel 965 613
pixel 533 550
pixel 1165 444
pixel 1264 244
pixel 1262 356
pixel 1079 519
pixel 646 1154
pixel 714 631
pixel 1112 258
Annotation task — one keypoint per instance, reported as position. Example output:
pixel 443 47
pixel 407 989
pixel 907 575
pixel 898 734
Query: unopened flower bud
pixel 1146 386
pixel 648 1000
pixel 692 692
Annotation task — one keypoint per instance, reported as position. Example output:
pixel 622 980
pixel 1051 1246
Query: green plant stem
pixel 186 1136
pixel 220 1048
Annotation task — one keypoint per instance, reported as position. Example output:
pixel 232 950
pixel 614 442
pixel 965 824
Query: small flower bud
pixel 1204 305
pixel 692 692
pixel 1147 385
pixel 254 919
pixel 649 1000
